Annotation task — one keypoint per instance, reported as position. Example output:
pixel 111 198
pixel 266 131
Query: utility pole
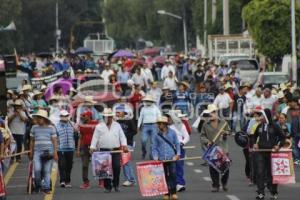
pixel 184 28
pixel 213 11
pixel 226 30
pixel 294 51
pixel 205 24
pixel 103 18
pixel 57 31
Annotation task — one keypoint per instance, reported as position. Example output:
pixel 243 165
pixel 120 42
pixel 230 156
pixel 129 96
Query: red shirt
pixel 86 132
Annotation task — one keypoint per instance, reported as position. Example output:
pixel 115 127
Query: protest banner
pixel 151 177
pixel 217 158
pixel 102 165
pixel 282 168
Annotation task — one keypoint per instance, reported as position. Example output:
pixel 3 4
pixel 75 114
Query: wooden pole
pixel 270 150
pixel 184 159
pixel 16 154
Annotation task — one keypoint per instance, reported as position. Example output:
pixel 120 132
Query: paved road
pixel 197 177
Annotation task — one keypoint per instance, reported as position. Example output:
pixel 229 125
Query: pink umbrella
pixel 151 51
pixel 160 59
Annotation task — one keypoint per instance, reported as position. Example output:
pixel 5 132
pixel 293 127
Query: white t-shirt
pixel 165 71
pixel 105 75
pixel 268 102
pixel 223 101
pixel 170 83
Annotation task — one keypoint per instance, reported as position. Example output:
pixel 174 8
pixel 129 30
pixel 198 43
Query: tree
pixel 269 23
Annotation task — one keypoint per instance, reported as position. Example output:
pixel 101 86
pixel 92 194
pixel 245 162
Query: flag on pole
pixel 283 168
pixel 102 165
pixel 217 158
pixel 151 177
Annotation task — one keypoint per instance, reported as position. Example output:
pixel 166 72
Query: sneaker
pixel 260 197
pixel 85 186
pixel 214 189
pixel 274 197
pixel 62 184
pixel 174 197
pixel 128 184
pixel 68 185
pixel 166 197
pixel 180 188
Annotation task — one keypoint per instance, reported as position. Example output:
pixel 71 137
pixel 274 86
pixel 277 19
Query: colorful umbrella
pixel 123 53
pixel 151 51
pixel 64 84
pixel 160 59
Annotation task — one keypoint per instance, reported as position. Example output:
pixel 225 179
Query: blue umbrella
pixel 83 50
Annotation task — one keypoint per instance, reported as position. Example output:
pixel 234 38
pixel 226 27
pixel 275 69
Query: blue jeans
pixel 296 149
pixel 180 168
pixel 148 131
pixel 238 119
pixel 158 73
pixel 42 171
pixel 128 169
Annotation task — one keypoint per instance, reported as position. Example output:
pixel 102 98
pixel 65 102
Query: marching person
pixel 66 146
pixel 129 127
pixel 268 136
pixel 17 125
pixel 147 122
pixel 43 150
pixel 181 98
pixel 109 136
pixel 86 130
pixel 208 132
pixel 183 137
pixel 167 147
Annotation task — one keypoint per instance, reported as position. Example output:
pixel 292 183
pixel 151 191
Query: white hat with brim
pixel 211 108
pixel 108 112
pixel 280 95
pixel 35 93
pixel 181 115
pixel 90 99
pixel 41 113
pixel 64 113
pixel 26 87
pixel 10 92
pixel 162 119
pixel 54 97
pixel 149 98
pixel 43 87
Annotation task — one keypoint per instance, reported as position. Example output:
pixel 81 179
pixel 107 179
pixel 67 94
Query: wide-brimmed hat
pixel 149 98
pixel 211 108
pixel 64 113
pixel 163 119
pixel 54 97
pixel 89 99
pixel 41 113
pixel 43 87
pixel 37 92
pixel 280 95
pixel 108 112
pixel 283 87
pixel 185 84
pixel 242 139
pixel 18 102
pixel 26 87
pixel 10 92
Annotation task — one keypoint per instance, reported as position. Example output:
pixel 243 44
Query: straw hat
pixel 10 92
pixel 64 113
pixel 211 108
pixel 185 84
pixel 54 97
pixel 148 98
pixel 163 119
pixel 283 87
pixel 108 112
pixel 18 102
pixel 43 87
pixel 41 113
pixel 37 92
pixel 26 87
pixel 90 99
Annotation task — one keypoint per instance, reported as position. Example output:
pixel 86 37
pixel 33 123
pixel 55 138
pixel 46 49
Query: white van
pixel 249 69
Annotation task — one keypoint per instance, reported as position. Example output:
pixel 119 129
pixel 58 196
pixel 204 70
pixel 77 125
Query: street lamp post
pixel 163 12
pixel 294 52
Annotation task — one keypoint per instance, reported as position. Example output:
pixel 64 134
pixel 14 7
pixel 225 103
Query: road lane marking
pixel 232 197
pixel 208 179
pixel 189 164
pixel 198 171
pixel 53 179
pixel 10 172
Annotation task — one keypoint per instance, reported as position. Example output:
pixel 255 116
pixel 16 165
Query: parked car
pixel 274 78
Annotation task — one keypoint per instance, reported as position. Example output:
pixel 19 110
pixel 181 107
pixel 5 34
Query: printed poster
pixel 282 168
pixel 102 165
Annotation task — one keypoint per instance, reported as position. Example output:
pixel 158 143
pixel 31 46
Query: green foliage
pixel 269 23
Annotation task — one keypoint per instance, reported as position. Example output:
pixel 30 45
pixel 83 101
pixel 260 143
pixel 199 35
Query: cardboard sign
pixel 283 168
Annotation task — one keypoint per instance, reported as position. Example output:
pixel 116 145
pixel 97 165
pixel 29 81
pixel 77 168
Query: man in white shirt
pixel 147 122
pixel 268 100
pixel 139 79
pixel 171 82
pixel 166 69
pixel 224 103
pixel 106 73
pixel 109 136
pixel 183 138
pixel 254 100
pixel 155 92
pixel 146 72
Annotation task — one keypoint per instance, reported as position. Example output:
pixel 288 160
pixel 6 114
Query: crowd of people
pixel 156 100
